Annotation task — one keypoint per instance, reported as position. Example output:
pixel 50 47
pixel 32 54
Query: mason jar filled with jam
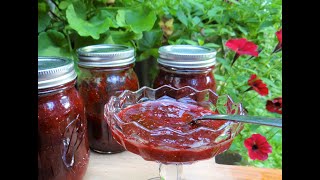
pixel 63 147
pixel 105 70
pixel 186 65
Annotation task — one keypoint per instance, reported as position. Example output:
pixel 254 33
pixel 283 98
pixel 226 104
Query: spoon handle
pixel 276 122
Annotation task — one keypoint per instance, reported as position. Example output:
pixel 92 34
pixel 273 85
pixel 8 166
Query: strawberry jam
pixel 63 147
pixel 106 70
pixel 186 65
pixel 160 131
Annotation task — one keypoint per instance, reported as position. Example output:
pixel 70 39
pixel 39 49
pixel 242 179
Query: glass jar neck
pixel 56 89
pixel 170 69
pixel 115 68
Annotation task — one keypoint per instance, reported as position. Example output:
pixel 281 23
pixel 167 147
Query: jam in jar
pixel 105 70
pixel 63 147
pixel 186 65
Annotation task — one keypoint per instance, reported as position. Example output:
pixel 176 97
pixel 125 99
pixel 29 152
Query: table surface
pixel 128 166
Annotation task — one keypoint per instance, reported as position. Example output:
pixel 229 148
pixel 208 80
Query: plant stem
pixel 57 6
pixel 253 97
pixel 56 16
pixel 273 135
pixel 225 83
pixel 269 130
pixel 240 86
pixel 243 97
pixel 69 41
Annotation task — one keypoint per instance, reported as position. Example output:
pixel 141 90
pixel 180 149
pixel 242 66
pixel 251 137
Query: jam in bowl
pixel 155 124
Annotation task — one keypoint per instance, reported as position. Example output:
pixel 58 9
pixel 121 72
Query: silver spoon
pixel 276 122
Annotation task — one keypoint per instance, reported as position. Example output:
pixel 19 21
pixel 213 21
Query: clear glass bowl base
pixel 193 171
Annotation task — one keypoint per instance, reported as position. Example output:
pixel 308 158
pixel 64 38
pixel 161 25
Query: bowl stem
pixel 170 171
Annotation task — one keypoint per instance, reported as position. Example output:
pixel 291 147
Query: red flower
pixel 242 47
pixel 258 147
pixel 275 105
pixel 279 36
pixel 257 85
pixel 279 45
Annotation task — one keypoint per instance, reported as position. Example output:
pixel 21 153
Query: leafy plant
pixel 65 25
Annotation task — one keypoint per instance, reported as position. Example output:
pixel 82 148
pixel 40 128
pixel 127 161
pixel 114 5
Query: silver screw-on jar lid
pixel 105 55
pixel 186 56
pixel 54 71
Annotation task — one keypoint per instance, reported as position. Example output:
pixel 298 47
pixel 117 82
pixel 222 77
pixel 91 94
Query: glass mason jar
pixel 186 65
pixel 106 70
pixel 63 147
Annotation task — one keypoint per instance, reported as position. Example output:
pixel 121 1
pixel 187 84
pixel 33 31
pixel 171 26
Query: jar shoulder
pixel 60 104
pixel 199 81
pixel 104 80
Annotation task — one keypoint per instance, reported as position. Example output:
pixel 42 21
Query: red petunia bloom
pixel 279 45
pixel 242 47
pixel 279 36
pixel 258 147
pixel 275 105
pixel 257 85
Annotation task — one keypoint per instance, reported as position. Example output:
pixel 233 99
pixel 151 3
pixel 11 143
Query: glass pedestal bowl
pixel 167 146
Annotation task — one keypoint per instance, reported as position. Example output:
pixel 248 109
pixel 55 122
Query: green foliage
pixel 43 16
pixel 138 19
pixel 94 26
pixel 65 25
pixel 52 42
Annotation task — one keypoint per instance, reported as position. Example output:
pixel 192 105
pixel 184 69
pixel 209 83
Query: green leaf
pixel 227 31
pixel 266 24
pixel 121 18
pixel 249 70
pixel 43 16
pixel 103 1
pixel 124 37
pixel 252 20
pixel 234 2
pixel 269 82
pixel 43 21
pixel 98 24
pixel 88 40
pixel 200 41
pixel 150 39
pixel 48 45
pixel 254 127
pixel 195 21
pixel 43 6
pixel 211 45
pixel 234 94
pixel 112 37
pixel 147 54
pixel 182 17
pixel 109 40
pixel 219 77
pixel 64 4
pixel 224 63
pixel 57 37
pixel 242 29
pixel 139 19
pixel 212 13
pixel 221 104
pixel 112 15
pixel 186 41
